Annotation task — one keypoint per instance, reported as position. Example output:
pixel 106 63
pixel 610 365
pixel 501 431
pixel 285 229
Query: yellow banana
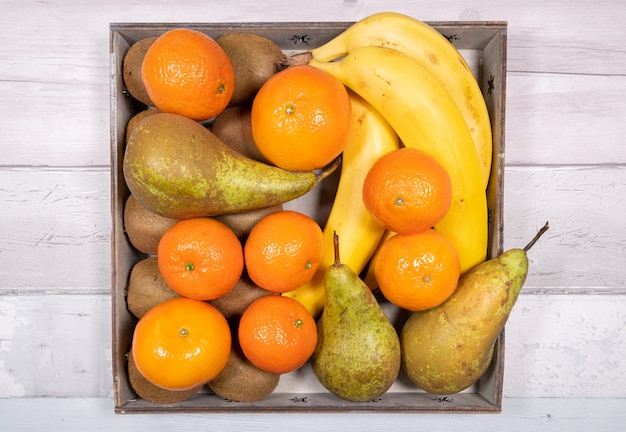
pixel 425 117
pixel 370 277
pixel 358 231
pixel 433 51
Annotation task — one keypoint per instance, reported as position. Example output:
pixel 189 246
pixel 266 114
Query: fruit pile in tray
pixel 233 288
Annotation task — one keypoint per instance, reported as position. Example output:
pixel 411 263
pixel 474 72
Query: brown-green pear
pixel 358 351
pixel 448 348
pixel 177 168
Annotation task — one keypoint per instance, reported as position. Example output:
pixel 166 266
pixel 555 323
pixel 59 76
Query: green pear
pixel 177 168
pixel 448 348
pixel 357 356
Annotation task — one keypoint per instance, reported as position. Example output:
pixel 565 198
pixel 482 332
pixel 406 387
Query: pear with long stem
pixel 358 351
pixel 448 348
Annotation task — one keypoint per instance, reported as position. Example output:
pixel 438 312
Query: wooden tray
pixel 483 45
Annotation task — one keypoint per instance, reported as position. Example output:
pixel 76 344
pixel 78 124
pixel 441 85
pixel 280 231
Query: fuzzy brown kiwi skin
pixel 254 58
pixel 241 381
pixel 153 393
pixel 234 303
pixel 146 287
pixel 143 227
pixel 242 223
pixel 131 70
pixel 233 127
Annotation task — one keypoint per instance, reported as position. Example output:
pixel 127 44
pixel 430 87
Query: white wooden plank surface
pixel 560 119
pixel 589 110
pixel 50 215
pixel 583 251
pixel 566 340
pixel 566 346
pixel 55 230
pixel 519 415
pixel 68 341
pixel 560 74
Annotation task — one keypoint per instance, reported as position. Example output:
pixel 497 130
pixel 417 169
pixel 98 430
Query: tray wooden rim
pixel 488 395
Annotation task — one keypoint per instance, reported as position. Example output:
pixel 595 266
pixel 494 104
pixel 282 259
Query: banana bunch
pixel 371 137
pixel 419 89
pixel 435 53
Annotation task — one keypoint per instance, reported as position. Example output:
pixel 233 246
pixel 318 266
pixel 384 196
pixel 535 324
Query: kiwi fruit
pixel 144 228
pixel 146 287
pixel 241 381
pixel 242 223
pixel 254 58
pixel 233 127
pixel 131 70
pixel 234 303
pixel 153 393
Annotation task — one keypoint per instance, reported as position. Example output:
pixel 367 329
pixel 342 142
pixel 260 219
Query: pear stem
pixel 539 234
pixel 328 169
pixel 336 248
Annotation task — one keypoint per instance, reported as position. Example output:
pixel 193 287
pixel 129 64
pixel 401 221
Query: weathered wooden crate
pixel 483 44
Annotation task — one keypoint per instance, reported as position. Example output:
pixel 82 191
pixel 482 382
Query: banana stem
pixel 295 60
pixel 539 234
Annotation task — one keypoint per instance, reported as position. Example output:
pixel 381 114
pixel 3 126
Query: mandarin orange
pixel 417 271
pixel 181 343
pixel 200 258
pixel 186 72
pixel 277 334
pixel 301 118
pixel 407 191
pixel 283 250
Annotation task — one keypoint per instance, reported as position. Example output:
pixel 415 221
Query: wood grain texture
pixel 60 219
pixel 558 74
pixel 583 251
pixel 560 119
pixel 68 344
pixel 60 346
pixel 566 346
pixel 55 230
pixel 588 109
pixel 519 415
